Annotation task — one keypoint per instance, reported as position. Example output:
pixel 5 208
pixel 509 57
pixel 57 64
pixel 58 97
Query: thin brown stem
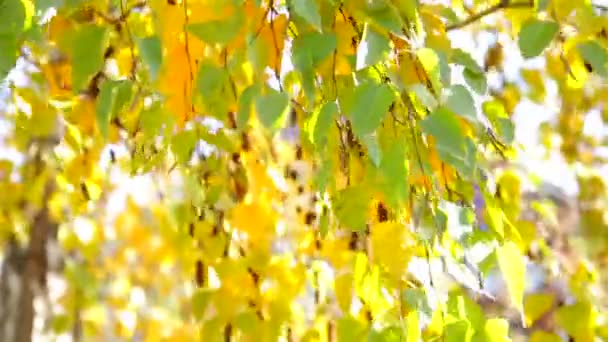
pixel 124 14
pixel 503 4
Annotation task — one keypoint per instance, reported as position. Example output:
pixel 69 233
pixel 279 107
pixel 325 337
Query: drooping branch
pixel 503 4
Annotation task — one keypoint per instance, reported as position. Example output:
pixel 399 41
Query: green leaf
pixel 12 16
pixel 445 71
pixel 394 171
pixel 506 129
pixel 373 48
pixel 464 58
pixel 458 331
pixel 87 54
pixel 272 108
pixel 105 103
pixel 424 96
pixel 498 117
pixel 309 10
pixel 369 106
pixel 309 50
pixel 123 94
pixel 322 176
pixel 152 120
pixel 8 54
pixel 535 35
pixel 211 80
pixel 594 54
pixel 463 307
pixel 477 82
pixel 513 267
pixel 350 206
pixel 150 49
pixel 452 146
pixel 312 48
pixel 319 123
pixel 182 145
pixel 350 329
pixel 113 97
pixel 373 148
pixel 387 17
pixel 418 300
pixel 461 102
pixel 212 85
pixel 245 105
pixel 219 32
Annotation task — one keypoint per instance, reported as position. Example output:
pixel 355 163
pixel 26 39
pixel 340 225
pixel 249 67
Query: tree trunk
pixel 23 277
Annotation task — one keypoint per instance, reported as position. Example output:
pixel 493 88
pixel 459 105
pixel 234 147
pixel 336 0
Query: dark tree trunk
pixel 23 276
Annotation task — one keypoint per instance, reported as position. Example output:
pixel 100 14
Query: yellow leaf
pixel 255 219
pixel 176 84
pixel 543 336
pixel 408 68
pixel 527 232
pixel 413 327
pixel 124 61
pixel 83 115
pixel 58 29
pixel 510 98
pixel 436 37
pixel 58 75
pixel 536 83
pixel 392 247
pixel 576 64
pixel 578 320
pixel 536 305
pixel 513 268
pixel 343 286
pixel 563 8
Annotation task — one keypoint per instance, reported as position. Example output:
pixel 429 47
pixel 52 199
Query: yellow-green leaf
pixel 578 320
pixel 513 268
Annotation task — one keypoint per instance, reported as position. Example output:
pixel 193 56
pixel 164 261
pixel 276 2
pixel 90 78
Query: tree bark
pixel 23 276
